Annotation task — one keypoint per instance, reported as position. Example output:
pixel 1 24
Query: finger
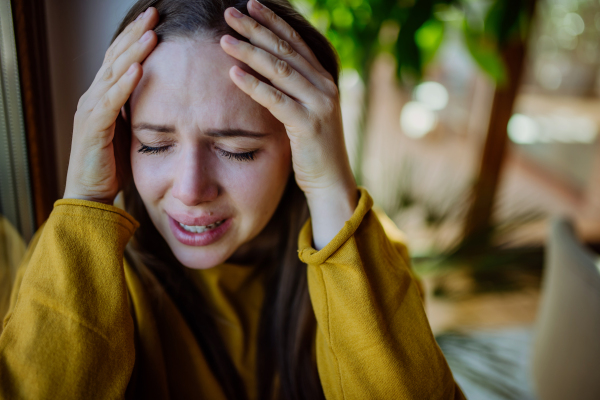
pixel 285 109
pixel 282 29
pixel 136 53
pixel 134 31
pixel 130 35
pixel 277 71
pixel 268 41
pixel 106 111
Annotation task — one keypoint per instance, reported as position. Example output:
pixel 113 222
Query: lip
pixel 196 221
pixel 199 239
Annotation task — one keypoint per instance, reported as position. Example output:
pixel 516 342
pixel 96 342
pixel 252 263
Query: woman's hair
pixel 286 365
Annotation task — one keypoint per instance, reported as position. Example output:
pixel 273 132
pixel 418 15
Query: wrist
pixel 340 198
pixel 70 196
pixel 329 211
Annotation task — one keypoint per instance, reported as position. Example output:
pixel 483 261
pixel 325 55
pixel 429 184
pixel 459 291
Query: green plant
pixel 413 30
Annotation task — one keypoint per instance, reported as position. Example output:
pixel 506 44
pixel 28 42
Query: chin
pixel 199 258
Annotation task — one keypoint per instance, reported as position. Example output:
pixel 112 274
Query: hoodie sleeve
pixel 69 333
pixel 373 337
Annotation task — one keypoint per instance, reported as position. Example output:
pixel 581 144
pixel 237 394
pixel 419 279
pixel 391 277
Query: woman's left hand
pixel 305 99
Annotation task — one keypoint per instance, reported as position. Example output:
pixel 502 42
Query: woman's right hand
pixel 92 173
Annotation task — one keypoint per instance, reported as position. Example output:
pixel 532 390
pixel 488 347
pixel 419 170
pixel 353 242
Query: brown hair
pixel 286 366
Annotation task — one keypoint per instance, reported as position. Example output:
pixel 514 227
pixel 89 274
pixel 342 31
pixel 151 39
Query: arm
pixel 373 337
pixel 373 340
pixel 69 333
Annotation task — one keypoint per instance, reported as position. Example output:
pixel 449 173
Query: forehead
pixel 187 81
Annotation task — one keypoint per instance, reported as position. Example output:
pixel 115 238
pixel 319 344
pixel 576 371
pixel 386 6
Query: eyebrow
pixel 151 127
pixel 221 133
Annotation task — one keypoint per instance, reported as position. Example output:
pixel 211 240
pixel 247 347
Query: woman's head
pixel 187 106
pixel 204 153
pixel 209 163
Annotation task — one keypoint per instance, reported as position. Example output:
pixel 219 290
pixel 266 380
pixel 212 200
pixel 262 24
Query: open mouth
pixel 199 235
pixel 200 228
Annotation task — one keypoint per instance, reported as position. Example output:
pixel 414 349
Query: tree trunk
pixel 478 220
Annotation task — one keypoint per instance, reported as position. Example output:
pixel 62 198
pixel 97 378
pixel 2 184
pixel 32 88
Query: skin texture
pixel 194 87
pixel 186 87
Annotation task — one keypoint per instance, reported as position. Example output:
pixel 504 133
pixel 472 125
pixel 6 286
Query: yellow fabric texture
pixel 12 250
pixel 81 325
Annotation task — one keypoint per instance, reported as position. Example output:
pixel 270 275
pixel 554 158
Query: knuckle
pixel 254 25
pixel 110 54
pixel 283 69
pixel 108 74
pixel 277 97
pixel 328 105
pixel 106 102
pixel 272 17
pixel 284 48
pixel 295 36
pixel 128 29
pixel 254 85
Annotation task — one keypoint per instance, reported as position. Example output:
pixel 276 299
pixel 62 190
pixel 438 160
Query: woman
pixel 235 138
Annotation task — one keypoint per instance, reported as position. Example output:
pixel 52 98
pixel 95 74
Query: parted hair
pixel 286 363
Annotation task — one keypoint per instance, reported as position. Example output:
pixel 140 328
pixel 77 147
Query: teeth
pixel 200 229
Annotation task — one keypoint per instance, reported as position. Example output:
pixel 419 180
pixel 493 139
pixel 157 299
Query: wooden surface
pixel 32 51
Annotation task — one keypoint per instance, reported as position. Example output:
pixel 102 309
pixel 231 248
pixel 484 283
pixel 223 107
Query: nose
pixel 194 181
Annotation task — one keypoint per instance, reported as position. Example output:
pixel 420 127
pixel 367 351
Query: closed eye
pixel 247 156
pixel 153 150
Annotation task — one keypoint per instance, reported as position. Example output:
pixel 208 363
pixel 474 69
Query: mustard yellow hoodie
pixel 80 324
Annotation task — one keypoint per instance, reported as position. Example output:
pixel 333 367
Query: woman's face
pixel 209 163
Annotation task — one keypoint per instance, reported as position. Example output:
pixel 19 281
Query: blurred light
pixel 581 130
pixel 573 24
pixel 523 129
pixel 349 78
pixel 342 17
pixel 566 40
pixel 388 33
pixel 590 51
pixel 547 45
pixel 449 13
pixel 557 13
pixel 417 119
pixel 549 76
pixel 432 94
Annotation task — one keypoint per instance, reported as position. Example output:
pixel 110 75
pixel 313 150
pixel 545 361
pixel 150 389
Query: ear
pixel 124 113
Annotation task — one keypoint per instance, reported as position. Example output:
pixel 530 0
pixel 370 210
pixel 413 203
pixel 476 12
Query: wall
pixel 79 32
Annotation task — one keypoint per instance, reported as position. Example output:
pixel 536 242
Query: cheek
pixel 151 173
pixel 259 185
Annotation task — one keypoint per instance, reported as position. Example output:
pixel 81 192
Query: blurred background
pixel 473 123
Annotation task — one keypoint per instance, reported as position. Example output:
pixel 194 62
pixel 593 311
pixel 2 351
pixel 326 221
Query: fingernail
pixel 145 37
pixel 231 40
pixel 239 72
pixel 146 13
pixel 257 5
pixel 236 13
pixel 139 16
pixel 131 69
